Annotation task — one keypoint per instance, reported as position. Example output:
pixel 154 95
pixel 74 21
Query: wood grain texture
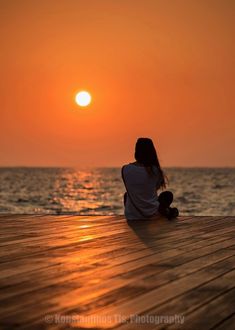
pixel 99 272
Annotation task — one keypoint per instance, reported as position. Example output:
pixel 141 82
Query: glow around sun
pixel 83 98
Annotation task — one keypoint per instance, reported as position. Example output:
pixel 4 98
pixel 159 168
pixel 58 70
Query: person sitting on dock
pixel 142 179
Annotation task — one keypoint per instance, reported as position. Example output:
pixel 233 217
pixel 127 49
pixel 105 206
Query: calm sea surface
pixel 99 191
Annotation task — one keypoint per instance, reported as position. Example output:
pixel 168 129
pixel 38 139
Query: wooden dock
pixel 99 272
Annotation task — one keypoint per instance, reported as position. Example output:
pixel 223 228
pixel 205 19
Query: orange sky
pixel 155 68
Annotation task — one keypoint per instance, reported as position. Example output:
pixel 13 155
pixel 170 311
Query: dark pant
pixel 165 199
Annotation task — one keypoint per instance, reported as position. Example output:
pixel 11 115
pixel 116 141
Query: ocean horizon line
pixel 108 167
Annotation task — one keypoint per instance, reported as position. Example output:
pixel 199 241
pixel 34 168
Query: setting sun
pixel 83 98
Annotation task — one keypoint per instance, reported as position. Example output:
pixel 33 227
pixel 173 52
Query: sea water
pixel 99 191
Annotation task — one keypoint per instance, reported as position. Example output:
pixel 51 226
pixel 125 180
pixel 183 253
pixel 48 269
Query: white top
pixel 142 187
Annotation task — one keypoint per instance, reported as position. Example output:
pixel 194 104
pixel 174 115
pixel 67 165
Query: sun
pixel 83 98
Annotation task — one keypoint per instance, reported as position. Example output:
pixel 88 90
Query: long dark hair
pixel 145 153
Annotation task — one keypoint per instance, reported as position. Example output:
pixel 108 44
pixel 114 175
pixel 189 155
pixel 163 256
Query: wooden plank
pixel 77 296
pixel 17 268
pixel 185 304
pixel 60 260
pixel 125 278
pixel 121 308
pixel 44 241
pixel 213 313
pixel 155 297
pixel 103 265
pixel 226 324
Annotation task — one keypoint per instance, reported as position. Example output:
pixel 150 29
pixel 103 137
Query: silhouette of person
pixel 142 179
